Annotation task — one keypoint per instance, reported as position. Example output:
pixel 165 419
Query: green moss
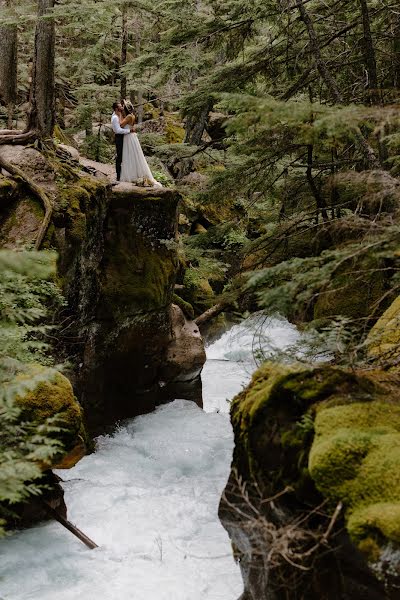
pixel 355 458
pixel 137 282
pixel 268 419
pixel 384 338
pixel 326 430
pixel 174 132
pixel 381 520
pixel 52 396
pixel 140 266
pixel 8 188
pixel 354 289
pixel 75 199
pixel 186 307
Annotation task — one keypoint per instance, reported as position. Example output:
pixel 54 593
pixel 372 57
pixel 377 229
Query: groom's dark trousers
pixel 119 142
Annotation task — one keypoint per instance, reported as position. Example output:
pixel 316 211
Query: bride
pixel 134 165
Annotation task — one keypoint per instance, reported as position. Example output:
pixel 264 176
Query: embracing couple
pixel 131 164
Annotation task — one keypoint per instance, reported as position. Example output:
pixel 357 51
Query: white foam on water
pixel 149 498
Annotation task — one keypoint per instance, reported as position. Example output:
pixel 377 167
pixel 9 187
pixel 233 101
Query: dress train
pixel 134 164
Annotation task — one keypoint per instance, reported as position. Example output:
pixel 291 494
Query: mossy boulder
pixel 383 340
pixel 355 459
pixel 355 289
pixel 49 394
pixel 317 436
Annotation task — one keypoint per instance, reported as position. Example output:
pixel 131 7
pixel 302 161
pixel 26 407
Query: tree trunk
pixel 8 65
pixel 138 40
pixel 371 160
pixel 395 33
pixel 319 200
pixel 316 52
pixel 369 52
pixel 195 125
pixel 124 47
pixel 42 111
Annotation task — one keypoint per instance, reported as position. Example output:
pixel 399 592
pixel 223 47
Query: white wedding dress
pixel 134 165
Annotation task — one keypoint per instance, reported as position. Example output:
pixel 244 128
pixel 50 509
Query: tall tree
pixel 42 97
pixel 124 46
pixel 369 52
pixel 8 64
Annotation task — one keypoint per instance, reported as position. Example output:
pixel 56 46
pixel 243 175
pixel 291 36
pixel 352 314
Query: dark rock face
pixel 292 541
pixel 126 270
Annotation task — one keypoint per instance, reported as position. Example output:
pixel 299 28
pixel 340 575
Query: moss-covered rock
pixel 354 290
pixel 355 459
pixel 383 340
pixel 185 307
pixel 140 262
pixel 52 396
pixel 325 436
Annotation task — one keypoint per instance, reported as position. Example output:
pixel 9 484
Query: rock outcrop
pixel 47 395
pixel 312 504
pixel 383 341
pixel 117 269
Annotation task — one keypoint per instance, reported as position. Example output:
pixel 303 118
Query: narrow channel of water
pixel 149 497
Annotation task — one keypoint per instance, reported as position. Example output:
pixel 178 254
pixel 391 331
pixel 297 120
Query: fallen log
pixel 70 526
pixel 38 191
pixel 210 313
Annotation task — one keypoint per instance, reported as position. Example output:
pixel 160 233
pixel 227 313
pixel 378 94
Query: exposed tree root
pixel 38 191
pixel 8 136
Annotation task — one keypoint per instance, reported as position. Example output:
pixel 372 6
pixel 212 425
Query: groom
pixel 119 135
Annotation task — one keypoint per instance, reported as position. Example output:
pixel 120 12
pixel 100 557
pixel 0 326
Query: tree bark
pixel 211 313
pixel 42 111
pixel 369 52
pixel 316 52
pixel 195 125
pixel 319 200
pixel 8 65
pixel 124 47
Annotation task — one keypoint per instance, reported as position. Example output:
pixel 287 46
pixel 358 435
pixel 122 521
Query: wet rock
pixel 312 501
pixel 185 355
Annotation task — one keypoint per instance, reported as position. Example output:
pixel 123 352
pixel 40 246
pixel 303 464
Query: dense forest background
pixel 278 121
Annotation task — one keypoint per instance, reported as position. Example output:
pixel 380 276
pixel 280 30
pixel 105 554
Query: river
pixel 149 498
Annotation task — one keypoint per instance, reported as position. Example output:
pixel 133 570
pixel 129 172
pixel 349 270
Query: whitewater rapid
pixel 149 498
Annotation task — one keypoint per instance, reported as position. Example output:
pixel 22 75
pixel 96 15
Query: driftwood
pixel 70 526
pixel 210 313
pixel 38 191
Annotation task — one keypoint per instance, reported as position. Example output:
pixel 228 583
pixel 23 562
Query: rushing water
pixel 148 497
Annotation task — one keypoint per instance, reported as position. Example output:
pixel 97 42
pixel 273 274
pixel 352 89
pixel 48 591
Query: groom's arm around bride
pixel 119 139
